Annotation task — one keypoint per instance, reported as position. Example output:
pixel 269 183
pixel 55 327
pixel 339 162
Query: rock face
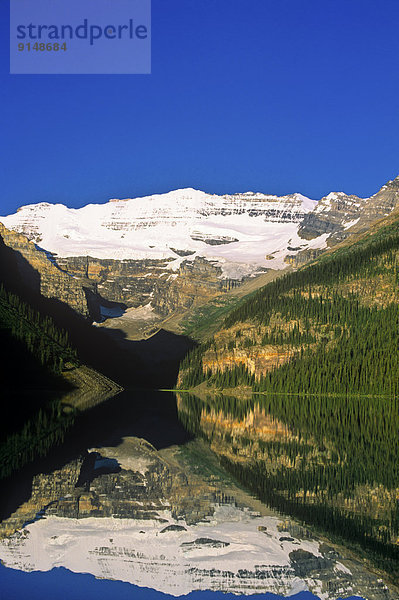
pixel 340 215
pixel 40 273
pixel 138 283
pixel 256 360
pixel 131 514
pixel 45 491
pixel 130 282
pixel 196 282
pixel 300 259
pixel 242 346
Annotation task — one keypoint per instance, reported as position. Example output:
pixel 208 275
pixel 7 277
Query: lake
pixel 153 494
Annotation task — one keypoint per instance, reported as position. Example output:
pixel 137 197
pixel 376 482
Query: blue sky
pixel 263 95
pixel 61 583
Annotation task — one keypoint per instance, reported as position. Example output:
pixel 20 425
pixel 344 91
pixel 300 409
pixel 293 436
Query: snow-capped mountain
pixel 238 229
pixel 177 250
pixel 134 514
pixel 239 232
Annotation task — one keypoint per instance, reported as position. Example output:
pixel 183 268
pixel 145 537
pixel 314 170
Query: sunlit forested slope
pixel 331 327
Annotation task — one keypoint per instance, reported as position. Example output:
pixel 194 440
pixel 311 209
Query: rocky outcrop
pixel 244 345
pixel 46 490
pixel 341 215
pixel 195 283
pixel 329 215
pixel 39 272
pixel 257 360
pixel 140 282
pixel 130 282
pixel 302 258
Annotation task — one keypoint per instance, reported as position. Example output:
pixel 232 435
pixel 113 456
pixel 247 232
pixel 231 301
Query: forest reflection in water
pixel 332 462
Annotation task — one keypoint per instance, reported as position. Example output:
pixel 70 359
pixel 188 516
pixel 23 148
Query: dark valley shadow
pixel 151 363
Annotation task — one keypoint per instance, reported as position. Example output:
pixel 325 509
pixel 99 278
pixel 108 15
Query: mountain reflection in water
pixel 134 497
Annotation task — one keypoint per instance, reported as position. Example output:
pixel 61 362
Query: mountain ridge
pixel 186 247
pixel 191 217
pixel 162 225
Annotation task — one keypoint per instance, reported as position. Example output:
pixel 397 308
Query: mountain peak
pixel 391 183
pixel 232 229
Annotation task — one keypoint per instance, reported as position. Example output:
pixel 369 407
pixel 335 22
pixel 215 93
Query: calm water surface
pixel 152 495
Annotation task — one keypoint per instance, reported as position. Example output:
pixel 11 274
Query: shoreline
pixel 90 388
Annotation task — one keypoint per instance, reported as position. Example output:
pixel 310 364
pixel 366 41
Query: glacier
pixel 240 232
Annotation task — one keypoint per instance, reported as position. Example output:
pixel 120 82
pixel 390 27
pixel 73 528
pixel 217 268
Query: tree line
pixel 39 334
pixel 340 344
pixel 35 352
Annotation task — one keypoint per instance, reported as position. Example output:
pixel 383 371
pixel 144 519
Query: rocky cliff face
pixel 140 282
pixel 40 273
pixel 130 282
pixel 46 490
pixel 300 259
pixel 196 283
pixel 92 286
pixel 340 215
pixel 244 345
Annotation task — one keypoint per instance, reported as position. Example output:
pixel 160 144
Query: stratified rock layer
pixel 341 215
pixel 43 275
